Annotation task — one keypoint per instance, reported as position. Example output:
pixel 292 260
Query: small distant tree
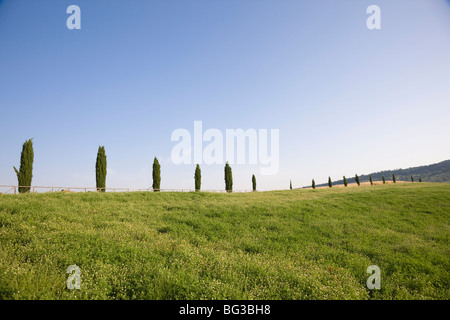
pixel 420 179
pixel 25 172
pixel 253 182
pixel 370 179
pixel 313 184
pixel 228 178
pixel 393 178
pixel 330 184
pixel 197 178
pixel 156 175
pixel 290 184
pixel 384 180
pixel 357 179
pixel 100 169
pixel 412 179
pixel 345 181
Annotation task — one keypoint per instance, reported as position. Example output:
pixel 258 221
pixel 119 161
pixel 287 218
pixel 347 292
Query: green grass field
pixel 296 244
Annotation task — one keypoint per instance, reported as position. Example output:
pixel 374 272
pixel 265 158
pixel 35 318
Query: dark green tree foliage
pixel 357 179
pixel 198 178
pixel 100 169
pixel 330 184
pixel 384 180
pixel 156 175
pixel 228 178
pixel 393 178
pixel 25 172
pixel 253 182
pixel 420 179
pixel 412 179
pixel 313 184
pixel 345 181
pixel 370 179
pixel 438 172
pixel 290 184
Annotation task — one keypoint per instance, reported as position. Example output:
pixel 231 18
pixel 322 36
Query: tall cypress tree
pixel 156 174
pixel 393 178
pixel 290 184
pixel 384 180
pixel 370 179
pixel 313 184
pixel 420 179
pixel 357 179
pixel 330 184
pixel 100 169
pixel 253 182
pixel 345 181
pixel 412 179
pixel 198 178
pixel 228 178
pixel 25 172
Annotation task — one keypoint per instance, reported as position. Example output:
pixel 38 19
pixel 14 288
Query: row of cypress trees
pixel 100 171
pixel 330 184
pixel 228 177
pixel 156 174
pixel 25 173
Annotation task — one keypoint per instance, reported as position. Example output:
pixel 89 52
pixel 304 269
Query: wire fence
pixel 40 189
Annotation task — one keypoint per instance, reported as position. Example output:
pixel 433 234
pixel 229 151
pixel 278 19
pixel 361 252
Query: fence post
pixel 14 190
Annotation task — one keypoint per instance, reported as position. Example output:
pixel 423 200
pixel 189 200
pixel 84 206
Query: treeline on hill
pixel 438 172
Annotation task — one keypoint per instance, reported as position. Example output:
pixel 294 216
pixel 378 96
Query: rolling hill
pixel 293 244
pixel 438 172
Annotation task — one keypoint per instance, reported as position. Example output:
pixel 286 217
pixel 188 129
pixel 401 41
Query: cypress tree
pixel 370 179
pixel 156 175
pixel 198 178
pixel 357 179
pixel 345 181
pixel 330 184
pixel 412 179
pixel 420 179
pixel 290 184
pixel 393 178
pixel 313 184
pixel 228 178
pixel 384 180
pixel 100 169
pixel 253 182
pixel 25 172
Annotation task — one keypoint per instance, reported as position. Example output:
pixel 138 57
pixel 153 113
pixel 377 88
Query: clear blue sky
pixel 345 99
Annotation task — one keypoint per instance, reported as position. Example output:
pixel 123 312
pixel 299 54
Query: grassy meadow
pixel 294 244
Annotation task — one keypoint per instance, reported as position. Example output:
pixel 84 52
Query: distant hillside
pixel 438 172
